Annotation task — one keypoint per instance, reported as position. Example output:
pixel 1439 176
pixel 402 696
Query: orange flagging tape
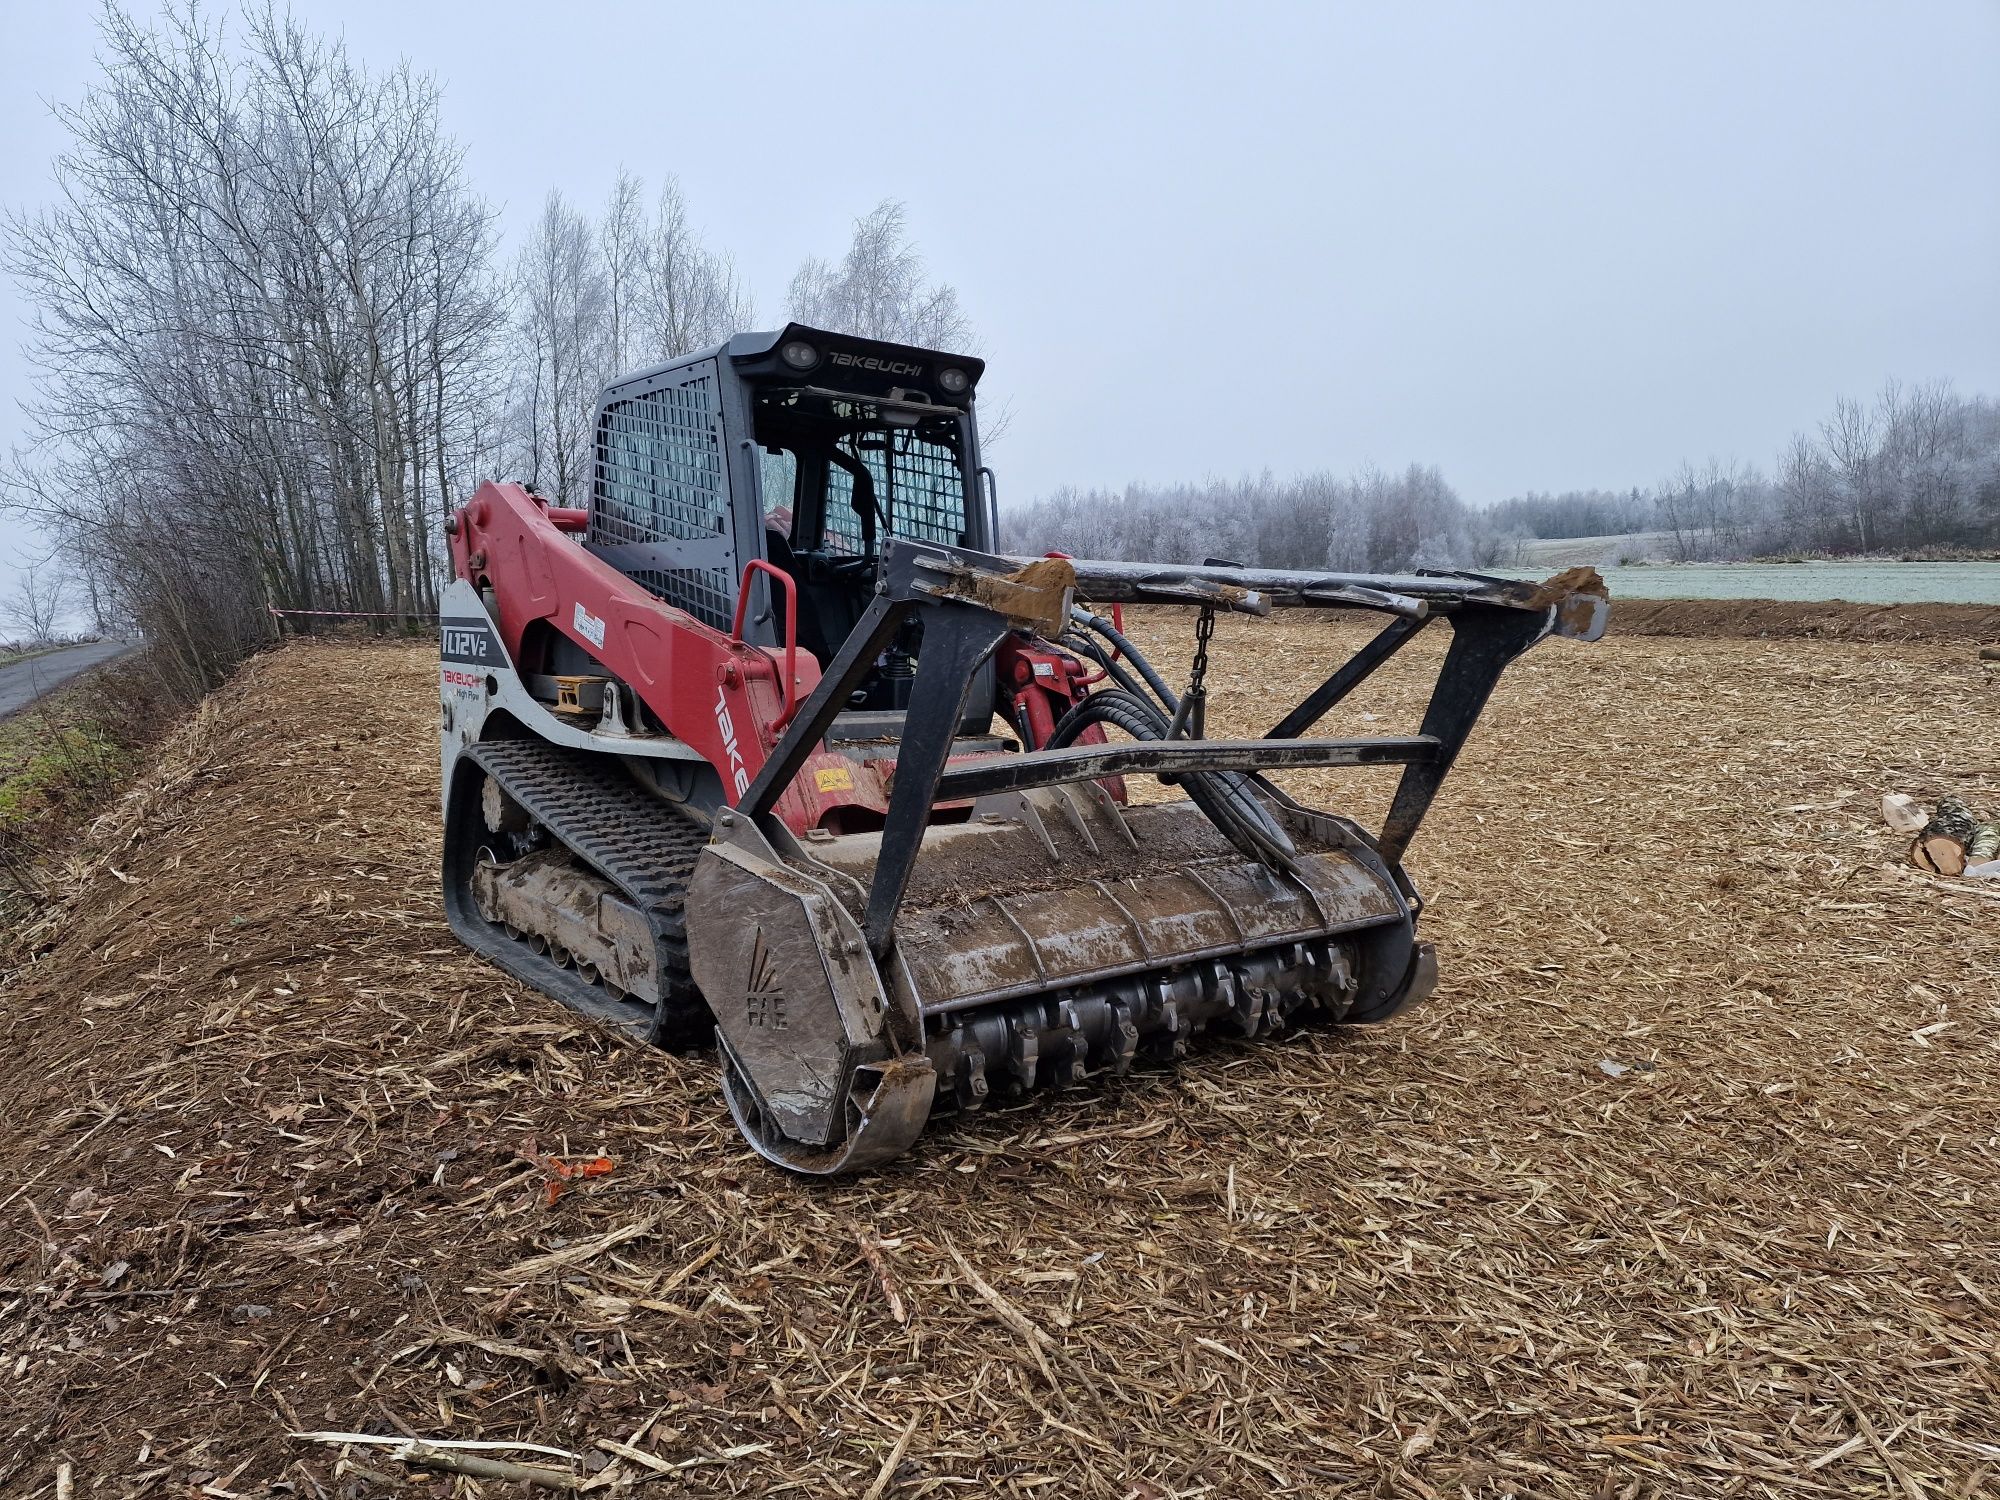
pixel 352 614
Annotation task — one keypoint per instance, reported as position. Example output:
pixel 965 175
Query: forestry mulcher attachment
pixel 767 744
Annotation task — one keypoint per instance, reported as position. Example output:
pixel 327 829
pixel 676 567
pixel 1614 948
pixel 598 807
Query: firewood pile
pixel 1950 839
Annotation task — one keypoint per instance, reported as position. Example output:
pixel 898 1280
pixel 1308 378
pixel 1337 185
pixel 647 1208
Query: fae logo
pixel 739 775
pixel 763 998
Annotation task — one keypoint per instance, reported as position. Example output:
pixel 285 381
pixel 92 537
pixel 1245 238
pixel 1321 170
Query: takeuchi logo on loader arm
pixel 739 775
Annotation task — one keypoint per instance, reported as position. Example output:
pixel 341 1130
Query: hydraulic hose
pixel 1132 653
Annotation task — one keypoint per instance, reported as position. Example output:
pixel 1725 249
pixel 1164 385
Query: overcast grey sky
pixel 1543 246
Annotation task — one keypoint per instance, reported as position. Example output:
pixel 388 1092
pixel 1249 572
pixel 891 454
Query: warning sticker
pixel 834 779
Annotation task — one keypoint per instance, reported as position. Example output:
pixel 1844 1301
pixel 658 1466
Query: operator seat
pixel 778 553
pixel 820 607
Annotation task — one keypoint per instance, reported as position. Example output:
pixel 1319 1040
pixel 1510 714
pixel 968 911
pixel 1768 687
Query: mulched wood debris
pixel 1684 1184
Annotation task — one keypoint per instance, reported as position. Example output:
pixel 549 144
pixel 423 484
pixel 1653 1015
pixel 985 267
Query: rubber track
pixel 590 806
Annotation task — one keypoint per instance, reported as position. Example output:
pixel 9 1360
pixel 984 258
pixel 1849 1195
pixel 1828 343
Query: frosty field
pixel 1859 582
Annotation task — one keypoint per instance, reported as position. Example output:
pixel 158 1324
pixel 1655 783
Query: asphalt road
pixel 22 682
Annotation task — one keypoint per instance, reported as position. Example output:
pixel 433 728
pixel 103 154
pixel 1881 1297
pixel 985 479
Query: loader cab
pixel 806 449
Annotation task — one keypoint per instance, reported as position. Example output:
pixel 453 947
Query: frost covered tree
pixel 595 300
pixel 1369 522
pixel 1918 468
pixel 879 289
pixel 262 334
pixel 562 349
pixel 688 296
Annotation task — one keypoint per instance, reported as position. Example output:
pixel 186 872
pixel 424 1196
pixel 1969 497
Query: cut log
pixel 1984 844
pixel 1938 853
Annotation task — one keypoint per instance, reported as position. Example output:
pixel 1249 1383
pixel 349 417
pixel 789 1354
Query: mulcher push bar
pixel 968 602
pixel 1257 591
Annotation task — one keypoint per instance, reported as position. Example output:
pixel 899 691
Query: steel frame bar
pixel 957 638
pixel 1483 641
pixel 869 638
pixel 1355 671
pixel 1173 757
pixel 1257 590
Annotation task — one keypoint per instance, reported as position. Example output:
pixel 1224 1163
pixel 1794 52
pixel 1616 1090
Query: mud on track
pixel 264 1125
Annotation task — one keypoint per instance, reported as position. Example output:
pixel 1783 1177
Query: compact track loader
pixel 767 744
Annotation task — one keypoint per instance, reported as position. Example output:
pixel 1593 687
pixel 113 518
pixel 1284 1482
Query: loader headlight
pixel 799 354
pixel 954 382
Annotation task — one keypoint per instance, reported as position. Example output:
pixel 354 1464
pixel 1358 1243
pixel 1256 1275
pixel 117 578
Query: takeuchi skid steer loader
pixel 767 744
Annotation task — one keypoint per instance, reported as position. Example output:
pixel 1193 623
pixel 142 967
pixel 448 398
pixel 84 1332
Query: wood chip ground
pixel 1684 1185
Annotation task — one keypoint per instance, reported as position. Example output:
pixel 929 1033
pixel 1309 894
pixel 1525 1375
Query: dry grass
pixel 279 1151
pixel 62 759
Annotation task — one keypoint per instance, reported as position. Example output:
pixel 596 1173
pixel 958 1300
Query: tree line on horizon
pixel 1915 471
pixel 1369 522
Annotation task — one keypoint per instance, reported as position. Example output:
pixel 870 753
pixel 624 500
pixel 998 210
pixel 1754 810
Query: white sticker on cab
pixel 589 626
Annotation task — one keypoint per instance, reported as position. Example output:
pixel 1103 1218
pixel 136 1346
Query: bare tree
pixel 35 610
pixel 593 301
pixel 621 240
pixel 1710 510
pixel 1809 504
pixel 263 314
pixel 1925 463
pixel 563 355
pixel 1850 439
pixel 878 289
pixel 689 296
